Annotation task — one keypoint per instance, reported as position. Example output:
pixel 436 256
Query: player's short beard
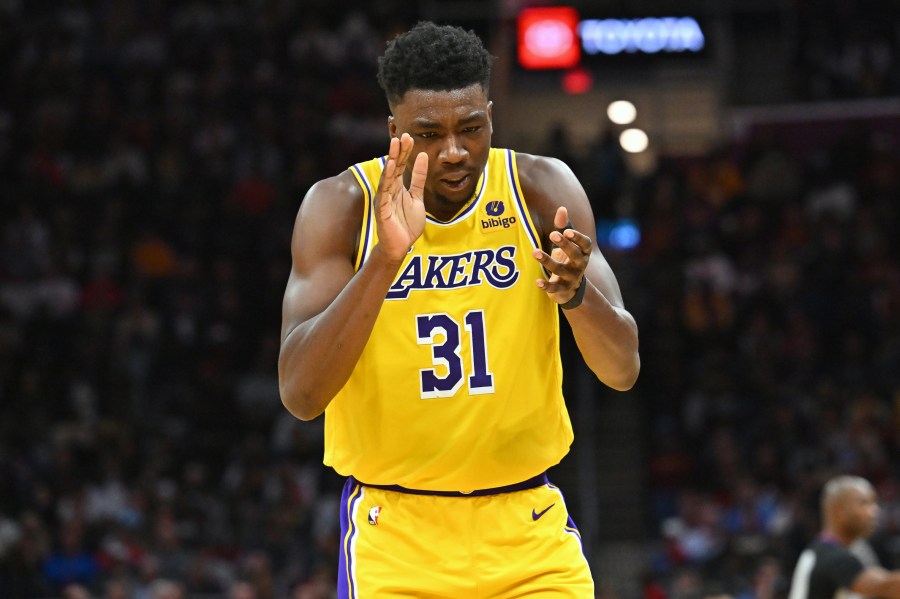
pixel 442 200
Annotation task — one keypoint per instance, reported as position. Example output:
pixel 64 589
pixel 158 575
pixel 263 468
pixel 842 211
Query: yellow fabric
pixel 459 385
pixel 404 545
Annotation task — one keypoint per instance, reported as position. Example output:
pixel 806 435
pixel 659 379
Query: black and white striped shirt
pixel 825 570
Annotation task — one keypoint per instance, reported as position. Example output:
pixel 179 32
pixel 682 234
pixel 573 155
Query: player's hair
pixel 433 57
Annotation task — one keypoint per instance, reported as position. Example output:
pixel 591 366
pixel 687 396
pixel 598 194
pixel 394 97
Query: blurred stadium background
pixel 153 155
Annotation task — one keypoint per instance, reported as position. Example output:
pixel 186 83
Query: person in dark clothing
pixel 828 568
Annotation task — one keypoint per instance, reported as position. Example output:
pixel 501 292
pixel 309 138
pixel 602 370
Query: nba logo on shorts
pixel 373 515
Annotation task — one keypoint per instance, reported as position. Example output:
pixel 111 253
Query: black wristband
pixel 577 298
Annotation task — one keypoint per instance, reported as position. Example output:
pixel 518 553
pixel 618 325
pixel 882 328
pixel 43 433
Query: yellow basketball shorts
pixel 418 544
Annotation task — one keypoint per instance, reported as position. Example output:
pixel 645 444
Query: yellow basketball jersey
pixel 459 385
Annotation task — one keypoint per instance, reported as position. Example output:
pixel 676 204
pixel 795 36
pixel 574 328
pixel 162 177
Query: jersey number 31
pixel 430 328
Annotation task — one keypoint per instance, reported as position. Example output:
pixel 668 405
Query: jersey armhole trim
pixel 515 186
pixel 368 221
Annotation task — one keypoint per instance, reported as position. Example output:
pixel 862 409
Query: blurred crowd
pixel 768 293
pixel 152 158
pixel 844 49
pixel 767 289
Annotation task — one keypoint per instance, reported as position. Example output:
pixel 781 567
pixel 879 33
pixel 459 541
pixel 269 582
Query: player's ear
pixel 490 115
pixel 392 126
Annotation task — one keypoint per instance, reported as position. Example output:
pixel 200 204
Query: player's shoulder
pixel 337 191
pixel 332 198
pixel 545 183
pixel 541 173
pixel 331 213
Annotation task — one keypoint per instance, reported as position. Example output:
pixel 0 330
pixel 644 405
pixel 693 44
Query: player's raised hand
pixel 567 260
pixel 400 211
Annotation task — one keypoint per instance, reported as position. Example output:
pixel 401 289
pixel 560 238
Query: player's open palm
pixel 400 210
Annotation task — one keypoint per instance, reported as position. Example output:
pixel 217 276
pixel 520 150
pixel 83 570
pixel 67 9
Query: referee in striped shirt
pixel 829 568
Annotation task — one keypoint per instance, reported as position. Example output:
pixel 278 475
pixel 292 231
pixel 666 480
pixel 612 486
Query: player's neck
pixel 444 210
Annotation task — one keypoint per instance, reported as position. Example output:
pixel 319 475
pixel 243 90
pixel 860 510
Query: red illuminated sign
pixel 548 38
pixel 577 81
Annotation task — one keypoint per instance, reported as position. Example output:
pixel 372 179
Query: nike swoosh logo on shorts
pixel 535 515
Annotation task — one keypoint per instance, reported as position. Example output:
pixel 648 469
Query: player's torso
pixel 458 387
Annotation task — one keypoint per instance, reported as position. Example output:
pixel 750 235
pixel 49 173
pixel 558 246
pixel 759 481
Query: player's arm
pixel 328 311
pixel 604 330
pixel 875 581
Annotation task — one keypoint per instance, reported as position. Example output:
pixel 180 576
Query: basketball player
pixel 829 568
pixel 421 315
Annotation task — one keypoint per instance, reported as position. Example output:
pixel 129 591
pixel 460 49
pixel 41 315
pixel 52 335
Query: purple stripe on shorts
pixel 346 585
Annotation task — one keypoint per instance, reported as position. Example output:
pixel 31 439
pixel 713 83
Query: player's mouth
pixel 455 183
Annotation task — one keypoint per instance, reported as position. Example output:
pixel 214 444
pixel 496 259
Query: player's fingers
pixel 573 243
pixel 561 218
pixel 557 284
pixel 383 196
pixel 406 143
pixel 394 149
pixel 569 269
pixel 548 262
pixel 551 285
pixel 389 167
pixel 406 146
pixel 420 171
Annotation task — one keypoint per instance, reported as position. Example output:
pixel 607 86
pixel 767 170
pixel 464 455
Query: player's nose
pixel 453 150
